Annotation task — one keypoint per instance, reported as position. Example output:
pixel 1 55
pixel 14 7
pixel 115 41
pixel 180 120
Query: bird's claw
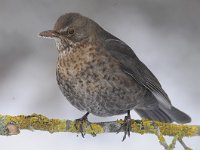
pixel 79 124
pixel 126 126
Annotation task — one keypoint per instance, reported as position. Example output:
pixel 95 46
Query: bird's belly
pixel 102 95
pixel 98 86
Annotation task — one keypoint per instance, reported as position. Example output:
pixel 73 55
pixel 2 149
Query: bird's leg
pixel 80 123
pixel 126 125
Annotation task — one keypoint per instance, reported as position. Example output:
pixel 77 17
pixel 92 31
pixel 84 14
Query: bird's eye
pixel 70 31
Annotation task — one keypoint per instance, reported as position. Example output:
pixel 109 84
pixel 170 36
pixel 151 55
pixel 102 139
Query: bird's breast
pixel 74 61
pixel 92 79
pixel 88 69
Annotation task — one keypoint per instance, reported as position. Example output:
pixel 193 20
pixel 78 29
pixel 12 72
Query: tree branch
pixel 11 125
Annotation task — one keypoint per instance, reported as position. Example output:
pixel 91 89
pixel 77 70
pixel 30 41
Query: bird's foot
pixel 79 123
pixel 126 126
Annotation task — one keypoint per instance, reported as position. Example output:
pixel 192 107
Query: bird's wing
pixel 133 67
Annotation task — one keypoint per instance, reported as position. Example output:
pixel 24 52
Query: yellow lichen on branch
pixel 11 125
pixel 34 122
pixel 40 122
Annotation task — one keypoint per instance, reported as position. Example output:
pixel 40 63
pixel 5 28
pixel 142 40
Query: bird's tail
pixel 164 115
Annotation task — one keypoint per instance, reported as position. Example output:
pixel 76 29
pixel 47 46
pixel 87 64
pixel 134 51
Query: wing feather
pixel 133 67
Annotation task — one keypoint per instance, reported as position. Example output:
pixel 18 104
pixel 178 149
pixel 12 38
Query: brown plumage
pixel 100 74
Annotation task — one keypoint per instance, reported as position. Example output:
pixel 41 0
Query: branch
pixel 11 125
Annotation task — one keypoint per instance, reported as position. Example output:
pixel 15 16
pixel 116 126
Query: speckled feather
pixel 94 82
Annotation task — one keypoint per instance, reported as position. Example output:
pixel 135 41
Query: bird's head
pixel 71 29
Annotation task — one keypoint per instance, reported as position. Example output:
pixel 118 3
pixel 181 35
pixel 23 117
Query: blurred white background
pixel 164 34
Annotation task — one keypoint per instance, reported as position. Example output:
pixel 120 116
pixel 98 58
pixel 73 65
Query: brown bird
pixel 100 74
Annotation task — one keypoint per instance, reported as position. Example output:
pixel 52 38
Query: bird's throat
pixel 64 45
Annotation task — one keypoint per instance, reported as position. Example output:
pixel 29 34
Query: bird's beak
pixel 50 34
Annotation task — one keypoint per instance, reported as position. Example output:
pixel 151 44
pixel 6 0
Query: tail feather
pixel 179 116
pixel 157 115
pixel 164 115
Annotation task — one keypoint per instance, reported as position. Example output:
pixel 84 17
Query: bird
pixel 100 74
